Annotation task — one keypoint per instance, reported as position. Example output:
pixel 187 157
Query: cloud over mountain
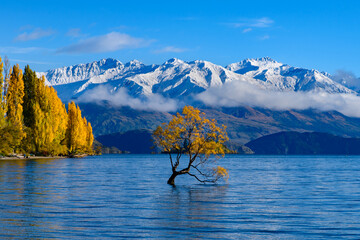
pixel 121 97
pixel 234 94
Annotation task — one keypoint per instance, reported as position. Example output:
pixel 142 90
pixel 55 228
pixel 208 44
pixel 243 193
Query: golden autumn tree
pixel 79 138
pixel 192 136
pixel 33 119
pixel 2 99
pixel 7 131
pixel 89 136
pixel 56 121
pixel 14 101
pixel 3 140
pixel 45 117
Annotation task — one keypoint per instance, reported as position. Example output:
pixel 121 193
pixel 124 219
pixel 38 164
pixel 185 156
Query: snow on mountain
pixel 284 77
pixel 176 78
pixel 81 72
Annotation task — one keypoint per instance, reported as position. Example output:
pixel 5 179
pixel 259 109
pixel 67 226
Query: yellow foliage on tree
pixel 79 137
pixel 50 122
pixel 45 117
pixel 34 120
pixel 14 98
pixel 2 94
pixel 192 135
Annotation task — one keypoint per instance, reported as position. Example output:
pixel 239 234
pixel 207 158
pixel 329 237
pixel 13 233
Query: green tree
pixel 196 138
pixel 30 81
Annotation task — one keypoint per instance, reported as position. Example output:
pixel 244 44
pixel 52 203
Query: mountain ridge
pixel 176 78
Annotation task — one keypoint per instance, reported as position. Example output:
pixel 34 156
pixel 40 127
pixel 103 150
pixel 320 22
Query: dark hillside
pixel 134 141
pixel 308 143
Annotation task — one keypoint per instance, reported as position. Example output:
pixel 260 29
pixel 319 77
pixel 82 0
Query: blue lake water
pixel 126 196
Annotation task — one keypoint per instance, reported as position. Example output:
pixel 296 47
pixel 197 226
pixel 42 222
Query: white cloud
pixel 105 43
pixel 170 49
pixel 237 93
pixel 246 30
pixel 74 32
pixel 261 22
pixel 19 50
pixel 37 33
pixel 121 97
pixel 265 37
pixel 250 24
pixel 30 61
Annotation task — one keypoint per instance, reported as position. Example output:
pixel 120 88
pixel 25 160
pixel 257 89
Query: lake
pixel 126 196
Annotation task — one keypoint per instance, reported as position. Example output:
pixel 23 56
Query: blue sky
pixel 324 35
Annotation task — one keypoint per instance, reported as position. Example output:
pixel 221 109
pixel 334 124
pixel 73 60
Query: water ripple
pixel 126 196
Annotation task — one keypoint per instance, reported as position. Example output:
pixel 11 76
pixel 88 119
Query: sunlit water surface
pixel 126 196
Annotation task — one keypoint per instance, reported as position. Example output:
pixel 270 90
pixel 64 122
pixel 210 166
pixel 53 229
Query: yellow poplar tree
pixel 58 120
pixel 33 118
pixel 14 98
pixel 2 99
pixel 79 137
pixel 4 148
pixel 44 116
pixel 89 136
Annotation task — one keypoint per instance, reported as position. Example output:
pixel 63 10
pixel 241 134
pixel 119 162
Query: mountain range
pixel 177 79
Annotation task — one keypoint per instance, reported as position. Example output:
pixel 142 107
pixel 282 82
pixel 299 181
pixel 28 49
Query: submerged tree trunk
pixel 171 180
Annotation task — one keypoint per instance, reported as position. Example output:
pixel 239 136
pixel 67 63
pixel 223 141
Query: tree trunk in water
pixel 171 180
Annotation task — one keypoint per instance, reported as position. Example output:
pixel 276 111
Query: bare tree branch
pixel 203 181
pixel 205 175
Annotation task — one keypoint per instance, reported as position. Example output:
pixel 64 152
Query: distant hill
pixel 106 149
pixel 135 141
pixel 307 143
pixel 106 119
pixel 244 124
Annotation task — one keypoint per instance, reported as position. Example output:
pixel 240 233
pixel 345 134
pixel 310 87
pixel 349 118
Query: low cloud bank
pixel 121 97
pixel 234 94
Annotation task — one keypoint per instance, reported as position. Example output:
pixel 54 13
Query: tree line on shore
pixel 33 119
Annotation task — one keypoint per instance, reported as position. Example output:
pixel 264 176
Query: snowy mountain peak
pixel 177 78
pixel 174 61
pixel 108 62
pixel 134 65
pixel 266 59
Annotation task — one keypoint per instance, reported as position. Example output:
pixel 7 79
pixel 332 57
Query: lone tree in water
pixel 196 138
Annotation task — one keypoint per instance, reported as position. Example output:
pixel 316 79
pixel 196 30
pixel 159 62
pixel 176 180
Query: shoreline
pixel 31 158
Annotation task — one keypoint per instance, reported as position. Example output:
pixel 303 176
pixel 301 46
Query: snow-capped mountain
pixel 176 78
pixel 284 77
